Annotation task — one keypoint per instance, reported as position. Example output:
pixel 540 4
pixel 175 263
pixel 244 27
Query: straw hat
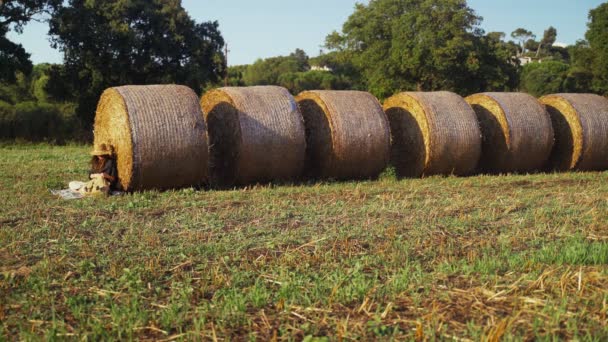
pixel 102 150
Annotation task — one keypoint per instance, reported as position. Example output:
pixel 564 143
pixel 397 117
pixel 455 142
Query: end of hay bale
pixel 410 135
pixel 432 133
pixel 112 128
pixel 568 132
pixel 224 132
pixel 347 134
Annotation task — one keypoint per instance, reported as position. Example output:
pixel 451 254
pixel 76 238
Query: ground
pixel 486 257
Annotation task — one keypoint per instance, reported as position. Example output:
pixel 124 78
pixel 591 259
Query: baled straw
pixel 256 134
pixel 580 122
pixel 516 129
pixel 347 134
pixel 432 133
pixel 157 133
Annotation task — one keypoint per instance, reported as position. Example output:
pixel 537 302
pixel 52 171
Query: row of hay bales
pixel 164 136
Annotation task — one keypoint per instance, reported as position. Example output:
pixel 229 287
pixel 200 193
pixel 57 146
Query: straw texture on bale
pixel 580 122
pixel 516 129
pixel 256 134
pixel 347 134
pixel 157 133
pixel 433 133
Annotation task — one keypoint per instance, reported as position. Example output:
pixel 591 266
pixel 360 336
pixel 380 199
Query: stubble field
pixel 487 257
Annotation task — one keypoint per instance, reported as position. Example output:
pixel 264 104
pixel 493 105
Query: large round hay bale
pixel 434 133
pixel 580 122
pixel 516 130
pixel 157 133
pixel 347 134
pixel 256 134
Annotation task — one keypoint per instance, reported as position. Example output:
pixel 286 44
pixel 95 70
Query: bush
pixel 544 78
pixel 38 121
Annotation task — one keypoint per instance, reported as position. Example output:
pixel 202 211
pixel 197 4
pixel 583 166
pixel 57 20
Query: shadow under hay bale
pixel 516 130
pixel 580 122
pixel 157 133
pixel 347 134
pixel 256 135
pixel 434 133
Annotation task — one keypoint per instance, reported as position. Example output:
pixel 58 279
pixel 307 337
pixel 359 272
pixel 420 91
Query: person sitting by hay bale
pixel 103 175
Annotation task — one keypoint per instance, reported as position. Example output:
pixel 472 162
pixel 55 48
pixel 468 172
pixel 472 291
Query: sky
pixel 267 28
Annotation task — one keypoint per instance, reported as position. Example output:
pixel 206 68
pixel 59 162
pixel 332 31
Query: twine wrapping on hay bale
pixel 256 134
pixel 347 134
pixel 580 122
pixel 432 133
pixel 516 130
pixel 158 135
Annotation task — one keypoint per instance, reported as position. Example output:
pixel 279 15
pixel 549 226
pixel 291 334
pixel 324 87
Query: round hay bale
pixel 157 133
pixel 580 122
pixel 516 130
pixel 347 134
pixel 256 134
pixel 433 133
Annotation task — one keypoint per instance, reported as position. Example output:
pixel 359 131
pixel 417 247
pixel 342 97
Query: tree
pixel 417 44
pixel 116 42
pixel 544 78
pixel 15 14
pixel 597 35
pixel 267 71
pixel 522 35
pixel 548 40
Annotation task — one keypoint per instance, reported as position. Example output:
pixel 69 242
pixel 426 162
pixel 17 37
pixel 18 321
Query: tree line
pixel 384 47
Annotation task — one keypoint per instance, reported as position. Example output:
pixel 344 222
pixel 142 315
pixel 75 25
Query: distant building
pixel 320 68
pixel 527 60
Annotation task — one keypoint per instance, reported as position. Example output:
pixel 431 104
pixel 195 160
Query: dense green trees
pixel 597 35
pixel 115 42
pixel 421 44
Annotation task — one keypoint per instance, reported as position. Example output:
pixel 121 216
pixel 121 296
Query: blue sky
pixel 266 28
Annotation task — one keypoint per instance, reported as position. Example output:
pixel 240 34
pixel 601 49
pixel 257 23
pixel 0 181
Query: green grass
pixel 513 257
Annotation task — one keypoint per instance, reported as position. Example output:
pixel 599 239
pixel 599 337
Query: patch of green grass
pixel 513 257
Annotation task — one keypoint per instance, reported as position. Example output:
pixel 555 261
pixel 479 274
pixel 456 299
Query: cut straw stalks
pixel 434 133
pixel 157 133
pixel 516 129
pixel 256 135
pixel 347 134
pixel 580 122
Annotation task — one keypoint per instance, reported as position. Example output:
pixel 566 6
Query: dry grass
pixel 158 135
pixel 441 258
pixel 347 134
pixel 433 133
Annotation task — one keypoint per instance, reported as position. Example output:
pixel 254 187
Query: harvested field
pixel 256 135
pixel 347 134
pixel 516 130
pixel 434 133
pixel 441 258
pixel 580 122
pixel 157 133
